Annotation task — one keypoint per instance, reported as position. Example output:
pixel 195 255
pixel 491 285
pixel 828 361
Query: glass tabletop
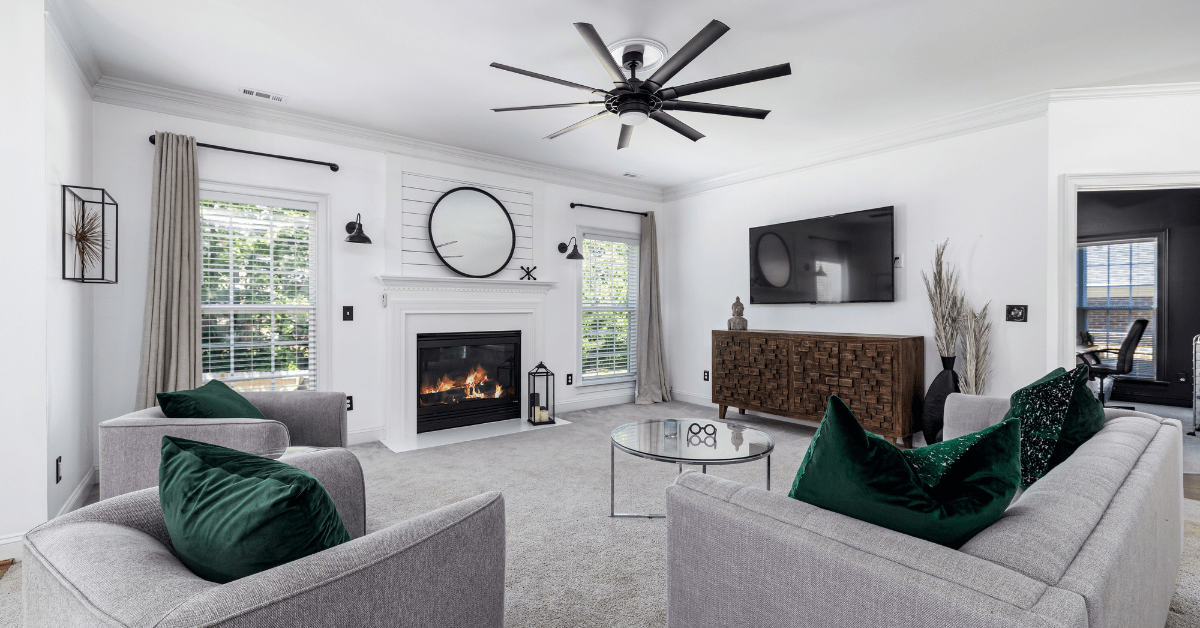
pixel 280 452
pixel 695 441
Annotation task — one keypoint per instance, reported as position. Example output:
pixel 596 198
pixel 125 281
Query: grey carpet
pixel 569 564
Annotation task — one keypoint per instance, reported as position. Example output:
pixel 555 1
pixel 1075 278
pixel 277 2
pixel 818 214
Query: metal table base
pixel 612 490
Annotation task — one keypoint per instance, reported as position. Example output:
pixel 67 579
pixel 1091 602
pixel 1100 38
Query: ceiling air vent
pixel 257 93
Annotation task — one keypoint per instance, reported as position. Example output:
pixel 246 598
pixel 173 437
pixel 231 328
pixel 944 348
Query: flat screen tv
pixel 847 258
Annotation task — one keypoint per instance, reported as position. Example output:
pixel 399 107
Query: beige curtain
pixel 652 383
pixel 171 324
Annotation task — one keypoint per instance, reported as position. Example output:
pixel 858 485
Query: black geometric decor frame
pixel 89 235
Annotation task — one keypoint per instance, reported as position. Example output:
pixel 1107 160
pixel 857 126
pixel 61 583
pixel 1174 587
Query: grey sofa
pixel 112 564
pixel 1095 543
pixel 130 445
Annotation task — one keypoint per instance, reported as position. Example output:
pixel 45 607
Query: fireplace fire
pixel 467 378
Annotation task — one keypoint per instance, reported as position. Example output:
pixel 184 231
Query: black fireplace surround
pixel 467 378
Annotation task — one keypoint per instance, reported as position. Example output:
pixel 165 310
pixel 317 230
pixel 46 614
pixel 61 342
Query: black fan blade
pixel 675 125
pixel 721 110
pixel 601 51
pixel 595 103
pixel 578 124
pixel 698 44
pixel 626 135
pixel 741 78
pixel 535 75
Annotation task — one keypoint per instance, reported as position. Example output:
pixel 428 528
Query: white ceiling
pixel 419 68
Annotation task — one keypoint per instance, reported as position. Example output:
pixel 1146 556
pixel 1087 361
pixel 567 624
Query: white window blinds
pixel 1118 284
pixel 258 296
pixel 609 298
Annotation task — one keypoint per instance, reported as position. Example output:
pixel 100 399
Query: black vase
pixel 933 415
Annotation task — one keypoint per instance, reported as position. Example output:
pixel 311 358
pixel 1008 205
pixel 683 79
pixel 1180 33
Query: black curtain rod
pixel 607 209
pixel 333 167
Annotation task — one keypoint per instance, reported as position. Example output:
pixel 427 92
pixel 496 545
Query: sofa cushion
pixel 1042 532
pixel 943 493
pixel 231 514
pixel 214 400
pixel 1042 409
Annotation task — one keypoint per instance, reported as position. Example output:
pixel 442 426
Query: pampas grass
pixel 977 350
pixel 947 302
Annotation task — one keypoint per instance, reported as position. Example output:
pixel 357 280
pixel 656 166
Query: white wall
pixel 122 164
pixel 24 228
pixel 69 304
pixel 1126 141
pixel 985 191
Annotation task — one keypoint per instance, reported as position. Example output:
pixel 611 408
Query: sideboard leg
pixel 741 411
pixel 721 411
pixel 907 442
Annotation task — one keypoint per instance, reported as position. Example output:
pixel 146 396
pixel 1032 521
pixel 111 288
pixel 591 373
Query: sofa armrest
pixel 444 569
pixel 966 414
pixel 738 555
pixel 131 446
pixel 340 473
pixel 314 419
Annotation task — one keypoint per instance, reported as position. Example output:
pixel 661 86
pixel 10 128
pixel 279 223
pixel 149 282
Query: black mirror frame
pixel 511 226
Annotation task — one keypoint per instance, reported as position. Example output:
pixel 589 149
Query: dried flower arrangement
pixel 88 233
pixel 977 350
pixel 947 302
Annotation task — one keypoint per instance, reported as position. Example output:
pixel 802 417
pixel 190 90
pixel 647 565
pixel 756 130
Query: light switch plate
pixel 1016 313
pixel 347 312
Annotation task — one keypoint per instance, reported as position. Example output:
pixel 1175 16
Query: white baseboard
pixel 366 435
pixel 81 492
pixel 12 547
pixel 595 401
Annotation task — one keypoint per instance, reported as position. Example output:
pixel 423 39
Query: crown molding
pixel 227 111
pixel 1125 91
pixel 61 20
pixel 999 114
pixel 991 116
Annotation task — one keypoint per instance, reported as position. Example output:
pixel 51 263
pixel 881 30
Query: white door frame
pixel 1062 330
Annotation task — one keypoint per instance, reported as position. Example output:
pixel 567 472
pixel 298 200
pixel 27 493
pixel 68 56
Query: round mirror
pixel 471 232
pixel 774 261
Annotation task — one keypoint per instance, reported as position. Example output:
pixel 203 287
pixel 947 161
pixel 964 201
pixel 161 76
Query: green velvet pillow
pixel 945 493
pixel 1058 413
pixel 213 400
pixel 231 514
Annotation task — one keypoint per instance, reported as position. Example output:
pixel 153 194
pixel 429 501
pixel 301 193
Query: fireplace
pixel 467 378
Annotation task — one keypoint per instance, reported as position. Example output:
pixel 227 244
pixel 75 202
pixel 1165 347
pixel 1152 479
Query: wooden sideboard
pixel 793 373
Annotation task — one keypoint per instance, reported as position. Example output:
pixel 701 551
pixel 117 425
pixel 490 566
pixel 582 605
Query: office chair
pixel 1124 365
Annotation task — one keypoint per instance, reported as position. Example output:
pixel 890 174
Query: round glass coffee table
pixel 687 441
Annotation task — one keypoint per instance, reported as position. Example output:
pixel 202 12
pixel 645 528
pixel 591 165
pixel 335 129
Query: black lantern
pixel 541 395
pixel 89 235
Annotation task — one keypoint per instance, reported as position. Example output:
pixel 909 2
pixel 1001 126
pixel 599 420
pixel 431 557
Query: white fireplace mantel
pixel 463 284
pixel 415 305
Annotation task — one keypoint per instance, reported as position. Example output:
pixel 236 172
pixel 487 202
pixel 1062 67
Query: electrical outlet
pixel 898 261
pixel 58 470
pixel 1183 377
pixel 349 402
pixel 570 378
pixel 347 312
pixel 706 376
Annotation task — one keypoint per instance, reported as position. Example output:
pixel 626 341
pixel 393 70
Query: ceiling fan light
pixel 633 118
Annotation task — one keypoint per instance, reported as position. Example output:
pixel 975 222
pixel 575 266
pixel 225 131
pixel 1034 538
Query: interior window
pixel 1118 284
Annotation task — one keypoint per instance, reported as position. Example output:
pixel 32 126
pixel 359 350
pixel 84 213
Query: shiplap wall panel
pixel 420 192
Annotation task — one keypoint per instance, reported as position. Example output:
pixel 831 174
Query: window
pixel 258 295
pixel 1118 284
pixel 610 292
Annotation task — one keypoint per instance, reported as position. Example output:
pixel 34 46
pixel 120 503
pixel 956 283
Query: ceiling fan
pixel 636 100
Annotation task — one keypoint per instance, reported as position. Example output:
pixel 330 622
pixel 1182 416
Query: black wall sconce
pixel 354 228
pixel 574 246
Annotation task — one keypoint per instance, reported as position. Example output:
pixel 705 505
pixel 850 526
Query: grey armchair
pixel 130 445
pixel 112 564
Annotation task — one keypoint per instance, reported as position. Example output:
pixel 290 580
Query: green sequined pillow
pixel 945 493
pixel 1042 408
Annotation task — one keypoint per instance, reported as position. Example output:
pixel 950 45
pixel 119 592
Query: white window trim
pixel 621 382
pixel 236 192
